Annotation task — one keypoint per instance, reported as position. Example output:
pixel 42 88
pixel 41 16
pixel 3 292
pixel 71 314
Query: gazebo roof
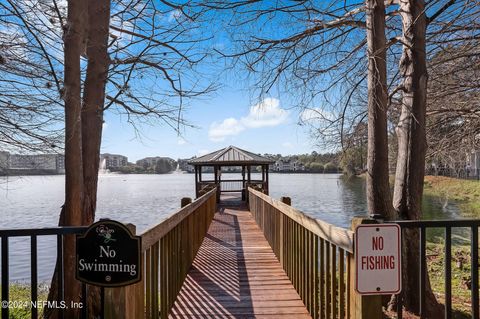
pixel 232 156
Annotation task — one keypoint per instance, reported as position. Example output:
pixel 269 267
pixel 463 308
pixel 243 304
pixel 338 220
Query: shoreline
pixel 42 173
pixel 465 192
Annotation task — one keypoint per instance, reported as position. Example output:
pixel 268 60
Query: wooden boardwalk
pixel 236 275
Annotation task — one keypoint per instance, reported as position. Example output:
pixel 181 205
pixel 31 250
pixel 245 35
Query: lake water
pixel 145 200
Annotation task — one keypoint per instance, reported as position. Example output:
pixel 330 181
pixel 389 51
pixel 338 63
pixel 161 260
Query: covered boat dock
pixel 208 173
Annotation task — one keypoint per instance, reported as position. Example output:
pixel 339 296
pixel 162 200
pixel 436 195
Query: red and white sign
pixel 378 259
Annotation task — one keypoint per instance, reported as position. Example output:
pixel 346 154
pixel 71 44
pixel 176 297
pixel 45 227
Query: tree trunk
pixel 378 189
pixel 410 171
pixel 92 117
pixel 74 44
pixel 93 101
pixel 71 214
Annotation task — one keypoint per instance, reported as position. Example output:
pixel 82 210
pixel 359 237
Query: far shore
pixel 50 173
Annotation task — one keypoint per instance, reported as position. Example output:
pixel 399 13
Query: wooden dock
pixel 236 275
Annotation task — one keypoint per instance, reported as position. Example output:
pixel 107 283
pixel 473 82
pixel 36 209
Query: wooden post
pixel 249 180
pixel 219 178
pixel 244 188
pixel 362 307
pixel 126 302
pixel 185 201
pixel 196 181
pixel 266 179
pixel 286 200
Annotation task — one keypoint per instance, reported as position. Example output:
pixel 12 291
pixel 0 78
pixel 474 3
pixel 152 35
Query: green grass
pixel 20 294
pixel 461 293
pixel 467 192
pixel 453 188
pixel 461 277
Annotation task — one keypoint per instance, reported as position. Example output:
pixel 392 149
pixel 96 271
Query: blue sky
pixel 228 118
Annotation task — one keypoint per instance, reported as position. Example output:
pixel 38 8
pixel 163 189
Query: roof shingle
pixel 231 155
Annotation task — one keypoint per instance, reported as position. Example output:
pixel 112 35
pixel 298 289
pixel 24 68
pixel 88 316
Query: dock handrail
pixel 317 256
pixel 168 251
pixel 338 236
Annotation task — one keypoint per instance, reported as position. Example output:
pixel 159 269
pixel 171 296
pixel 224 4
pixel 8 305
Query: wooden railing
pixel 317 256
pixel 206 186
pixel 169 249
pixel 235 185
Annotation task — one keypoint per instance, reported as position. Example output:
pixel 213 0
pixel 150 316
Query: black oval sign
pixel 108 255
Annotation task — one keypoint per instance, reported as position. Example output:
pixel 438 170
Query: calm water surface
pixel 145 200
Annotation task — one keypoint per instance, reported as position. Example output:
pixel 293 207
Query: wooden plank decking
pixel 236 275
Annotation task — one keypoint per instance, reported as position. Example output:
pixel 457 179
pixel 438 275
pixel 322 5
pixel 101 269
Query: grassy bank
pixel 20 297
pixel 461 277
pixel 465 191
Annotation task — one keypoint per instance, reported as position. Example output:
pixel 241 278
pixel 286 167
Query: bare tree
pixel 453 109
pixel 30 112
pixel 412 145
pixel 316 50
pixel 378 188
pixel 154 50
pixel 75 42
pixel 139 56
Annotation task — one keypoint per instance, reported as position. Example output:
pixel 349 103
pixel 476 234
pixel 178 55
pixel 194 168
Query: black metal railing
pixel 60 233
pixel 447 226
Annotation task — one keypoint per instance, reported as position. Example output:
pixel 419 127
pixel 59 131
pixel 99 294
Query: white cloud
pixel 287 145
pixel 181 141
pixel 266 113
pixel 121 37
pixel 315 114
pixel 229 127
pixel 174 15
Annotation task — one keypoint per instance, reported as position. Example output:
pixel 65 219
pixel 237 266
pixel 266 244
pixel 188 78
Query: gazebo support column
pixel 244 187
pixel 249 179
pixel 200 184
pixel 266 179
pixel 218 178
pixel 196 182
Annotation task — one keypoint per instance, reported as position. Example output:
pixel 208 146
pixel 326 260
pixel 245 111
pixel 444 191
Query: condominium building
pixel 40 161
pixel 31 163
pixel 108 161
pixel 287 165
pixel 4 159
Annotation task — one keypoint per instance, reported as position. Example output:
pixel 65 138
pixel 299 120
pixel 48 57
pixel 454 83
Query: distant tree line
pixel 314 162
pixel 162 166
